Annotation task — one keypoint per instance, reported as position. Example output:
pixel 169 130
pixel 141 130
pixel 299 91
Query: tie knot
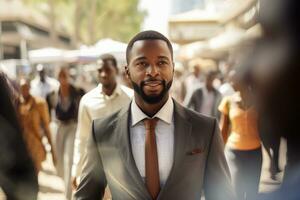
pixel 150 123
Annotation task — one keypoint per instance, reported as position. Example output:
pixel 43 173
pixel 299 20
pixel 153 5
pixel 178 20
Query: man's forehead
pixel 141 46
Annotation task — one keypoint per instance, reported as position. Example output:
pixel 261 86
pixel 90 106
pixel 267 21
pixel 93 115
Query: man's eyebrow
pixel 140 58
pixel 163 57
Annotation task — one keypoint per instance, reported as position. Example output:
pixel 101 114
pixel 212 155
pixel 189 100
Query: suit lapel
pixel 182 133
pixel 124 144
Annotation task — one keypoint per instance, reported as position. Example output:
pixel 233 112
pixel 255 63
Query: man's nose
pixel 152 70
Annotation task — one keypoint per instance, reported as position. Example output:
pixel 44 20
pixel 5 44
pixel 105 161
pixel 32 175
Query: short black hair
pixel 147 35
pixel 108 57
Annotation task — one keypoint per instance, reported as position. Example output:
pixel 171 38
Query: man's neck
pixel 150 109
pixel 109 89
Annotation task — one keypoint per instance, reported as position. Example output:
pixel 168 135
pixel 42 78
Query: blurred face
pixel 25 88
pixel 107 74
pixel 209 81
pixel 197 70
pixel 42 75
pixel 63 77
pixel 150 70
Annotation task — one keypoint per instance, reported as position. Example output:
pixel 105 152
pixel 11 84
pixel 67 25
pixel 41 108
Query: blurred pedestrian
pixel 154 148
pixel 35 121
pixel 18 179
pixel 108 97
pixel 206 99
pixel 66 111
pixel 43 85
pixel 271 143
pixel 276 77
pixel 193 81
pixel 240 133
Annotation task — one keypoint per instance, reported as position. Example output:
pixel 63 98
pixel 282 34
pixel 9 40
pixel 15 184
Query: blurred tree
pixel 91 20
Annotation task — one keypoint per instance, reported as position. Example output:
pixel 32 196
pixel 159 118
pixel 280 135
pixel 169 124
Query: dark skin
pixel 42 74
pixel 63 78
pixel 209 82
pixel 107 75
pixel 150 61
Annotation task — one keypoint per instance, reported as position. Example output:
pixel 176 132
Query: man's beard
pixel 151 99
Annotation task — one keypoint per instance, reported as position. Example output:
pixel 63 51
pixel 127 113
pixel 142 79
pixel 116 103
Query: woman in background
pixel 66 113
pixel 240 133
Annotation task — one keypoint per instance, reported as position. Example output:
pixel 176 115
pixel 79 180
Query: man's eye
pixel 142 64
pixel 162 63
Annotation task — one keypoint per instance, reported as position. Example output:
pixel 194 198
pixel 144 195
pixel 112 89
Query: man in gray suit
pixel 206 99
pixel 154 148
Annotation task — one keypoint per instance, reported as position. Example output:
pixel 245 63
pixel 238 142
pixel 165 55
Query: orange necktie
pixel 151 159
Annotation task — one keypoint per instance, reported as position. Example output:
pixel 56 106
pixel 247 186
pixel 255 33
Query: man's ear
pixel 127 71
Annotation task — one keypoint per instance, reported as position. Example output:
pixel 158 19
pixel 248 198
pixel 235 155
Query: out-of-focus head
pixel 209 79
pixel 25 88
pixel 276 66
pixel 107 70
pixel 64 76
pixel 41 70
pixel 150 66
pixel 196 70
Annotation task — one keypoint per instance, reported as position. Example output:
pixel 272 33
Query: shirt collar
pixel 165 113
pixel 117 91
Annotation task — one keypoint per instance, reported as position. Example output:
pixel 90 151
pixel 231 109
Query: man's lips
pixel 153 83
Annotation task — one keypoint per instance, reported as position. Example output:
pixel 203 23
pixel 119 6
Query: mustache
pixel 150 80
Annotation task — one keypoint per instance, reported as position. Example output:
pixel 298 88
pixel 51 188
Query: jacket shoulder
pixel 103 127
pixel 193 115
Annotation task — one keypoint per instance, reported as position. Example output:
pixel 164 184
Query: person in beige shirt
pixel 106 98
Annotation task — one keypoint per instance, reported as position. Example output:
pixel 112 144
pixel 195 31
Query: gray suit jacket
pixel 196 99
pixel 199 162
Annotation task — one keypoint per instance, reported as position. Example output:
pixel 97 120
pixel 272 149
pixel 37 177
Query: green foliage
pixel 116 19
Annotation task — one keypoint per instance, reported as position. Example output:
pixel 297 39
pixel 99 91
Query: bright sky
pixel 158 13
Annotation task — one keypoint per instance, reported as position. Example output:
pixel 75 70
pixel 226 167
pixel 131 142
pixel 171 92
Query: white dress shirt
pixel 95 104
pixel 164 132
pixel 42 89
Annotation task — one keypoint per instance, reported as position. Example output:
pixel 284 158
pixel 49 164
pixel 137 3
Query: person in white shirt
pixel 106 98
pixel 42 85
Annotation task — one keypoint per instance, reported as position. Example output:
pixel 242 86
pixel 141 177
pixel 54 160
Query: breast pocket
pixel 194 158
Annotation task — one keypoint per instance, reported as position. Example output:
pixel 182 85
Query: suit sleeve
pixel 93 181
pixel 217 182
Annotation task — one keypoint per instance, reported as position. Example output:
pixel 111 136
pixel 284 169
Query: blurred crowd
pixel 255 99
